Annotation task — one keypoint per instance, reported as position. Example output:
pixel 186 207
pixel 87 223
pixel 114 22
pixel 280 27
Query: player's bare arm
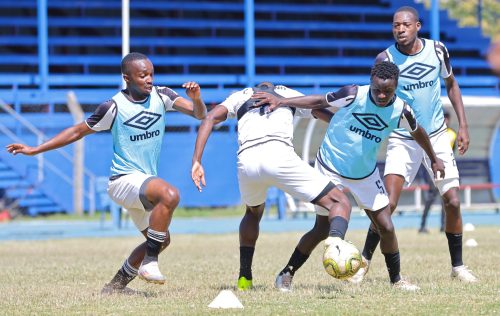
pixel 67 136
pixel 197 107
pixel 217 115
pixel 455 96
pixel 305 102
pixel 322 114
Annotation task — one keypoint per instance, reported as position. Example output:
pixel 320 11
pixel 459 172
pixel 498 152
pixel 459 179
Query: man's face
pixel 382 90
pixel 405 28
pixel 140 77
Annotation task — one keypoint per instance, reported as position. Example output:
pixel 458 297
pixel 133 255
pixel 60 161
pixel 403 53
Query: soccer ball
pixel 341 259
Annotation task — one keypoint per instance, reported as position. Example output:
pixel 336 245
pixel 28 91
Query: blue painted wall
pixel 175 166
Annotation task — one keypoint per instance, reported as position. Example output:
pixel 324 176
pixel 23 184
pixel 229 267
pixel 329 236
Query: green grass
pixel 64 277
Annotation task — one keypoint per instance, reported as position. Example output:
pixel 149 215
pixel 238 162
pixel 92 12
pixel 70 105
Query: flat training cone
pixel 471 242
pixel 469 227
pixel 226 299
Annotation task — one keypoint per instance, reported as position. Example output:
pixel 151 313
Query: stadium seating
pixel 314 46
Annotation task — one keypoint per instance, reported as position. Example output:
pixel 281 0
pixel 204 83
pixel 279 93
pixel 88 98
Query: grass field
pixel 64 277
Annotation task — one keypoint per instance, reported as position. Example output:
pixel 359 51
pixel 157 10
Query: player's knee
pixel 452 204
pixel 170 197
pixel 386 228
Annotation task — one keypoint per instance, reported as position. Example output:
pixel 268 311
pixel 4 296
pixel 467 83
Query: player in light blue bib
pixel 364 117
pixel 135 116
pixel 422 62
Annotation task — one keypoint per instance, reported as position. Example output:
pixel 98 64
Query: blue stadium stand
pixel 314 46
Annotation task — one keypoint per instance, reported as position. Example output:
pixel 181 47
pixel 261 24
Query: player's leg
pixel 163 198
pixel 253 187
pixel 249 233
pixel 403 160
pixel 130 267
pixel 333 209
pixel 448 188
pixel 389 247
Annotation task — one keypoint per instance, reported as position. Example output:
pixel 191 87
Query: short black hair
pixel 130 58
pixel 412 10
pixel 265 85
pixel 385 70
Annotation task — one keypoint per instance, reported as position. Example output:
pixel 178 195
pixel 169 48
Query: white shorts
pixel 128 191
pixel 275 163
pixel 404 157
pixel 369 193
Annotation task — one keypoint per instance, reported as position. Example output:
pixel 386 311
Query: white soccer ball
pixel 341 259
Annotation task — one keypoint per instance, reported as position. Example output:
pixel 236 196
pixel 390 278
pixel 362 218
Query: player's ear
pixel 419 26
pixel 126 78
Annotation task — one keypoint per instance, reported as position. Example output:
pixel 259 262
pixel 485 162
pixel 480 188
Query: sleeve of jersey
pixel 444 59
pixel 408 120
pixel 233 102
pixel 103 117
pixel 343 97
pixel 291 93
pixel 168 96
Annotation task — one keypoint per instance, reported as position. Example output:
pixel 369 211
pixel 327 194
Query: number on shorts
pixel 380 186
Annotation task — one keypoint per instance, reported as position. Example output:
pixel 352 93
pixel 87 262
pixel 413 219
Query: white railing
pixel 42 163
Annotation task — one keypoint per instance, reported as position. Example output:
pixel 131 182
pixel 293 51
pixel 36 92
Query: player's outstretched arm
pixel 197 107
pixel 217 115
pixel 67 136
pixel 455 96
pixel 305 102
pixel 423 140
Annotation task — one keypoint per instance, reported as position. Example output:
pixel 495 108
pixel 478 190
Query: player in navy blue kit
pixel 135 116
pixel 421 63
pixel 364 117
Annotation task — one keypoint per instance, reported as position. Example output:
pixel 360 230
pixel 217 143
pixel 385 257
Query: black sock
pixel 371 243
pixel 296 261
pixel 455 248
pixel 338 227
pixel 246 258
pixel 154 240
pixel 124 276
pixel 392 261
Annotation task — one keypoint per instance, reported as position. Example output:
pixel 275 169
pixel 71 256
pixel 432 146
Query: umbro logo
pixel 370 121
pixel 416 71
pixel 144 120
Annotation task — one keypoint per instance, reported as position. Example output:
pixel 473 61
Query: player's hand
pixel 438 169
pixel 463 140
pixel 20 149
pixel 198 175
pixel 193 89
pixel 266 98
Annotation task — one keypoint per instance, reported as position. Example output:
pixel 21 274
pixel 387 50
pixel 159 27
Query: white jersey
pixel 256 126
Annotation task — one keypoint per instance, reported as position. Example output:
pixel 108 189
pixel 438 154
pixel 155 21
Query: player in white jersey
pixel 422 62
pixel 266 157
pixel 135 117
pixel 364 117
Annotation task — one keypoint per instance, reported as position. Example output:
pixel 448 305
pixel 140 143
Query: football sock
pixel 392 261
pixel 125 275
pixel 455 248
pixel 296 261
pixel 371 243
pixel 338 227
pixel 246 258
pixel 154 240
